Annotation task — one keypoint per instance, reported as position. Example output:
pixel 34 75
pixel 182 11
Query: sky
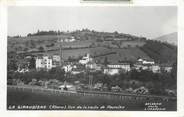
pixel 146 21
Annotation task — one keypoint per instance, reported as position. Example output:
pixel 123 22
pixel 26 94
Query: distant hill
pixel 171 38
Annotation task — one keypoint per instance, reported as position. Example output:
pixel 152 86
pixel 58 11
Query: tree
pixel 41 49
pixel 12 61
pixel 12 65
pixel 25 49
pixel 57 73
pixel 174 70
pixel 29 34
pixel 106 62
pixel 32 63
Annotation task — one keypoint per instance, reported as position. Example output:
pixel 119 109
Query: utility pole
pixel 90 81
pixel 60 49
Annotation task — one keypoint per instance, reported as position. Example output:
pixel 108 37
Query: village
pixel 88 65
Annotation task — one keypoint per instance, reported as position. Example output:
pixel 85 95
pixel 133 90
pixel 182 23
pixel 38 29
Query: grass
pixel 36 98
pixel 129 49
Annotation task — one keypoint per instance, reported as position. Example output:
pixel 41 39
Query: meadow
pixel 19 98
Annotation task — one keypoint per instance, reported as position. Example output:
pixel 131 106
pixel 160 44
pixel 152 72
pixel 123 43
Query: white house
pixel 47 62
pixel 139 66
pixel 67 68
pixel 44 62
pixel 69 39
pixel 93 65
pixel 23 66
pixel 167 69
pixel 123 66
pixel 145 61
pixel 67 87
pixel 55 60
pixel 155 68
pixel 23 70
pixel 111 71
pixel 85 59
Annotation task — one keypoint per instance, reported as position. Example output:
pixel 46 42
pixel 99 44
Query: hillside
pixel 113 46
pixel 160 52
pixel 169 38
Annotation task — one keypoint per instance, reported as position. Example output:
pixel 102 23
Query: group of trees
pixel 55 73
pixel 155 82
pixel 160 52
pixel 86 34
pixel 14 60
pixel 50 32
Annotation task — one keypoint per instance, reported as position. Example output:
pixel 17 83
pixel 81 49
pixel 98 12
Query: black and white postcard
pixel 111 58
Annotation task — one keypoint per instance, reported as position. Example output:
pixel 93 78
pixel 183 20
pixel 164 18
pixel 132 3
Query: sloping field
pixel 113 55
pixel 129 54
pixel 123 43
pixel 43 37
pixel 132 43
pixel 47 42
pixel 77 44
pixel 115 51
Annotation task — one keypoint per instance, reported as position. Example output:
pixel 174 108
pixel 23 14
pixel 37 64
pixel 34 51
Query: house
pixel 85 59
pixel 111 71
pixel 155 68
pixel 116 88
pixel 115 68
pixel 166 67
pixel 44 62
pixel 141 90
pixel 67 87
pixel 23 65
pixel 139 66
pixel 67 68
pixel 47 62
pixel 98 86
pixel 122 66
pixel 55 60
pixel 23 70
pixel 93 65
pixel 145 61
pixel 77 69
pixel 69 39
pixel 151 67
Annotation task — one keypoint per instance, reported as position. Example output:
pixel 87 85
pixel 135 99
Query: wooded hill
pixel 115 46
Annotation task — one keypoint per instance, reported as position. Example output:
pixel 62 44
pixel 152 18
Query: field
pixel 124 50
pixel 47 42
pixel 129 54
pixel 20 98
